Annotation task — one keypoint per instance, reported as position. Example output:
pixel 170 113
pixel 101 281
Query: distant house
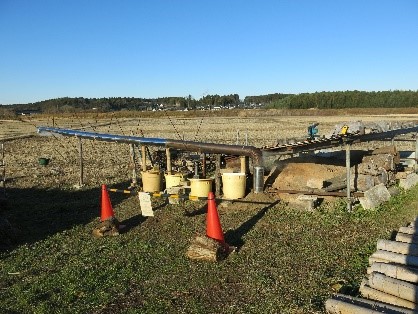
pixel 28 112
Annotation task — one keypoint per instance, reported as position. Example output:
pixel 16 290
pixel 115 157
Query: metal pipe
pixel 211 148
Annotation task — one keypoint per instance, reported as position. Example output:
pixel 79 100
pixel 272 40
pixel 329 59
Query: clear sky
pixel 157 48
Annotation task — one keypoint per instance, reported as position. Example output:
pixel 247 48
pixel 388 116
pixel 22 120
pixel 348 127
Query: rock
pixel 374 197
pixel 410 181
pixel 309 201
pixel 315 183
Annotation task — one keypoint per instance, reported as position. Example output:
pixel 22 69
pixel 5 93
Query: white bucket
pixel 200 187
pixel 233 185
pixel 173 179
pixel 151 181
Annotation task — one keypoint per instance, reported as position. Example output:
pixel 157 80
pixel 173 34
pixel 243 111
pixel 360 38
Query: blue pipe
pixel 104 136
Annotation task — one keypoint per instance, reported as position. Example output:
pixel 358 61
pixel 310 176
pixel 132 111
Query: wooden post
pixel 134 173
pixel 168 156
pixel 80 146
pixel 204 166
pixel 3 171
pixel 244 164
pixel 416 152
pixel 144 158
pixel 218 176
pixel 348 177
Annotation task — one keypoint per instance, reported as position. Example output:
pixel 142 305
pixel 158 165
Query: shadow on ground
pixel 35 214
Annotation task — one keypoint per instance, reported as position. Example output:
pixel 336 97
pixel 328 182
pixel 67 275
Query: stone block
pixel 309 201
pixel 410 181
pixel 374 197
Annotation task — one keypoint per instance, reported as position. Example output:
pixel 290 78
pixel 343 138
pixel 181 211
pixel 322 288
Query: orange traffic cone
pixel 107 210
pixel 213 224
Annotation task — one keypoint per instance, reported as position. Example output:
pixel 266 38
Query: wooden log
pixel 397 258
pixel 406 238
pixel 343 304
pixel 398 247
pixel 207 249
pixel 374 294
pixel 409 274
pixel 394 287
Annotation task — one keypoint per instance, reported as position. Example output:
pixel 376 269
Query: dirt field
pixel 288 261
pixel 109 163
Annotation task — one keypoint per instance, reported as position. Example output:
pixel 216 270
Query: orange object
pixel 213 224
pixel 107 210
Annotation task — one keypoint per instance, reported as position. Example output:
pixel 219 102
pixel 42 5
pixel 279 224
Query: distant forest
pixel 320 100
pixel 348 99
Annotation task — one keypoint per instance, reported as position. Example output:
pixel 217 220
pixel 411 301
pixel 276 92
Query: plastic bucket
pixel 173 179
pixel 151 181
pixel 200 187
pixel 233 185
pixel 43 161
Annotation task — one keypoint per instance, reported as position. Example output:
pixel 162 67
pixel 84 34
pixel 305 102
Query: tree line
pixel 320 100
pixel 348 99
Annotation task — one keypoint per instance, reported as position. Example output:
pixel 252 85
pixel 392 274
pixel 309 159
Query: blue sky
pixel 157 48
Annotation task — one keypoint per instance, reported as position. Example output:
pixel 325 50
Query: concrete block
pixel 393 190
pixel 410 181
pixel 309 201
pixel 344 304
pixel 395 287
pixel 374 197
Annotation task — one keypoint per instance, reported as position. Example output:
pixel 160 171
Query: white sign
pixel 145 204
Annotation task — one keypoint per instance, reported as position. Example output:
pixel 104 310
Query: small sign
pixel 145 204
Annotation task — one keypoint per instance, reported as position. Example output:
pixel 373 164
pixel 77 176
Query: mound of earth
pixel 303 174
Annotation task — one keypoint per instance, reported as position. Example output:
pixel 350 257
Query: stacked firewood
pixel 391 285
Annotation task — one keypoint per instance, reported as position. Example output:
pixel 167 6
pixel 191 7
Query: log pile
pixel 391 285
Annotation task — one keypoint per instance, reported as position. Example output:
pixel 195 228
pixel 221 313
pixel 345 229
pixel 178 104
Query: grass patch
pixel 289 261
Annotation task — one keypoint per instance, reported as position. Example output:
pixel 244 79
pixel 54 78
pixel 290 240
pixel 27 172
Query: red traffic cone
pixel 107 210
pixel 213 224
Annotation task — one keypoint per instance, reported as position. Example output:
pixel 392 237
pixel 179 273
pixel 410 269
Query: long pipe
pixel 212 148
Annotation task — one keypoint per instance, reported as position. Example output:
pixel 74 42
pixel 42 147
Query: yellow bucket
pixel 200 187
pixel 173 179
pixel 233 185
pixel 151 181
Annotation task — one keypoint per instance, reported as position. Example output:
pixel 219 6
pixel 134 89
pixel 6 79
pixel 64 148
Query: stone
pixel 374 197
pixel 315 183
pixel 410 181
pixel 309 201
